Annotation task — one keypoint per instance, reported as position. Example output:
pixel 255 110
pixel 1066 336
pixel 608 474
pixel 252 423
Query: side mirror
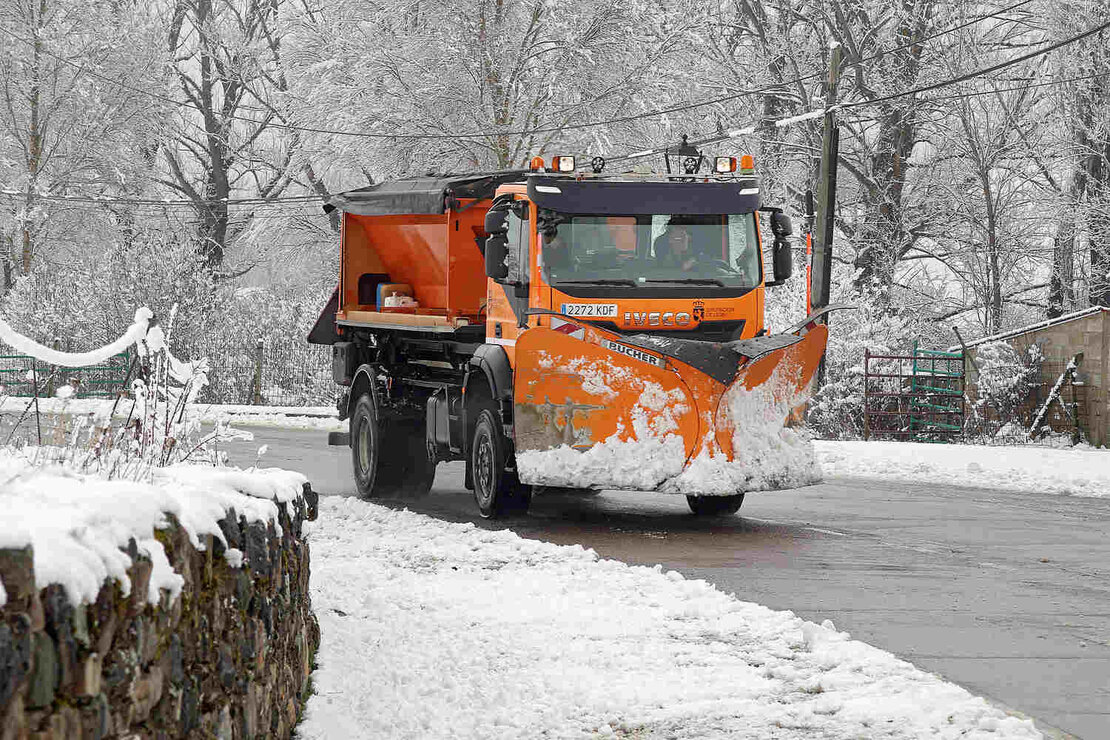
pixel 782 258
pixel 781 226
pixel 496 220
pixel 496 251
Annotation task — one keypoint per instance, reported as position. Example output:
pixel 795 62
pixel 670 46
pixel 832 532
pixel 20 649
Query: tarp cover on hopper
pixel 420 194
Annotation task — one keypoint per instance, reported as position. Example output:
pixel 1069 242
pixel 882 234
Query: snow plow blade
pixel 596 409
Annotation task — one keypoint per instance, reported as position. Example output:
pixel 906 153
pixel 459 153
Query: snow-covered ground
pixel 79 523
pixel 1077 471
pixel 296 417
pixel 435 629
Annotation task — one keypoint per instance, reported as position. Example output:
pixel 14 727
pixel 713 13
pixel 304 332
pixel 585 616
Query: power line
pixel 964 78
pixel 159 202
pixel 979 73
pixel 732 133
pixel 750 127
pixel 945 32
pixel 1047 83
pixel 549 129
pixel 746 128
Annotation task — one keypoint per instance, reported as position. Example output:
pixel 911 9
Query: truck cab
pixel 639 257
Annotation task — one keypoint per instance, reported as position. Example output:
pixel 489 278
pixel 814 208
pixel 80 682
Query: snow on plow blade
pixel 657 413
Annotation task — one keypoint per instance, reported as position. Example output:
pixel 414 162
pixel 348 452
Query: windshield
pixel 650 249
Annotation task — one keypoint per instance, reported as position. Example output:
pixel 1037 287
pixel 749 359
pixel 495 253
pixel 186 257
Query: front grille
pixel 707 331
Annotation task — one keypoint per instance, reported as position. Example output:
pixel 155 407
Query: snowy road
pixel 1007 594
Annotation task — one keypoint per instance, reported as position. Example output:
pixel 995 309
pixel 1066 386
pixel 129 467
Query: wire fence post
pixel 866 394
pixel 38 418
pixel 48 390
pixel 256 385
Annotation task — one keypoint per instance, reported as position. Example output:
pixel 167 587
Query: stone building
pixel 1060 339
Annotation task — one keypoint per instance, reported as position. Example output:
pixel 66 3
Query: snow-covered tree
pixel 1005 380
pixel 469 77
pixel 225 66
pixel 71 127
pixel 1081 172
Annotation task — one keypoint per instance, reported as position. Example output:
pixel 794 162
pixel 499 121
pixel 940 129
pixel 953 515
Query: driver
pixel 673 249
pixel 556 252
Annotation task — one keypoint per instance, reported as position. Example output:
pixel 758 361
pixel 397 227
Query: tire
pixel 715 505
pixel 497 491
pixel 388 461
pixel 365 445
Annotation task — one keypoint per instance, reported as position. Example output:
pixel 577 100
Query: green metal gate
pixel 917 397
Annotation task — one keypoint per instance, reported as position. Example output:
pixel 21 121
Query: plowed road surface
pixel 1007 594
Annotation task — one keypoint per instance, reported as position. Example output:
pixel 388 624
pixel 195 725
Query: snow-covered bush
pixel 82 303
pixel 86 300
pixel 1006 380
pixel 151 427
pixel 836 411
pixel 279 316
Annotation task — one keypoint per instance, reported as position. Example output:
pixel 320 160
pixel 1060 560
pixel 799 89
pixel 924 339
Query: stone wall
pixel 229 658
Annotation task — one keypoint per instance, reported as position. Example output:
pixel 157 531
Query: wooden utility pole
pixel 821 269
pixel 826 191
pixel 810 218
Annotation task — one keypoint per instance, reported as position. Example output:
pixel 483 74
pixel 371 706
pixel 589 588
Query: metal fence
pixel 925 396
pixel 21 375
pixel 1064 414
pixel 274 374
pixel 283 374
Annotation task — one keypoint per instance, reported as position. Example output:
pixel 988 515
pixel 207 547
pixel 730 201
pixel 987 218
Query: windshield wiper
pixel 603 281
pixel 690 281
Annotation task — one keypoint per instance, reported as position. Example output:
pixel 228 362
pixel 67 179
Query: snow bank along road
pixel 1006 593
pixel 437 629
pixel 1078 471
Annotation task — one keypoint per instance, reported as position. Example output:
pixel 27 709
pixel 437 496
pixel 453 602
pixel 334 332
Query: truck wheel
pixel 496 490
pixel 365 445
pixel 715 505
pixel 389 461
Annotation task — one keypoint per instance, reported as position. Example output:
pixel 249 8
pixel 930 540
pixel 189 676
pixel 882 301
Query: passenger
pixel 673 250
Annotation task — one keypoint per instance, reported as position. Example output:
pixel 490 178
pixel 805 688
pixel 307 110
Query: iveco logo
pixel 656 318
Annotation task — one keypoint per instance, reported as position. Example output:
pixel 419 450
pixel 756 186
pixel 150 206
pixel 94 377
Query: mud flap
pixel 591 411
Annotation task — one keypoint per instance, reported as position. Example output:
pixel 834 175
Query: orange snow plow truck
pixel 557 329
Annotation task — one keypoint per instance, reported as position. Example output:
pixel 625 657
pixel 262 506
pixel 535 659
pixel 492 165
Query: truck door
pixel 507 299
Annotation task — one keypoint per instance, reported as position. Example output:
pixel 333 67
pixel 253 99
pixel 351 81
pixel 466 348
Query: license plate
pixel 591 310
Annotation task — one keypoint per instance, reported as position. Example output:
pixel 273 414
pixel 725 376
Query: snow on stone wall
pixel 201 623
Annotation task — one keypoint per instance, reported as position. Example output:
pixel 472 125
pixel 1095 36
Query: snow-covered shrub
pixel 85 301
pixel 785 305
pixel 1006 380
pixel 836 411
pixel 279 316
pixel 129 437
pixel 81 303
